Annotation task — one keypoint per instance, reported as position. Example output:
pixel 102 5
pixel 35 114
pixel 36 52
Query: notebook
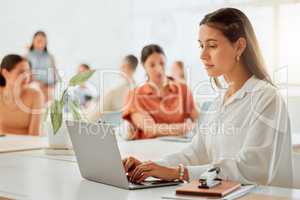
pixel 221 190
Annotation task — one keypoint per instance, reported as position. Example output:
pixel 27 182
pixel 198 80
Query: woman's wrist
pixel 186 174
pixel 176 173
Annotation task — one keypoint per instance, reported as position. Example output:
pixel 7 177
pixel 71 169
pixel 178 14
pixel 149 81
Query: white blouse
pixel 248 137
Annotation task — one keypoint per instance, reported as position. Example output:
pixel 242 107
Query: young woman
pixel 20 105
pixel 161 106
pixel 178 71
pixel 43 65
pixel 246 132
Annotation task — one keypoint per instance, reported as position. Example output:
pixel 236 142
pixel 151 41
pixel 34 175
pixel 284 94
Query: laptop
pixel 98 156
pixel 114 118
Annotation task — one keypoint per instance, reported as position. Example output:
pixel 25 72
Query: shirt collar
pixel 253 84
pixel 149 88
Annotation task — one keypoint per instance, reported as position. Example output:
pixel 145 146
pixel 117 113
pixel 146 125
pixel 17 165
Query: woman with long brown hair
pixel 43 65
pixel 162 106
pixel 246 131
pixel 20 105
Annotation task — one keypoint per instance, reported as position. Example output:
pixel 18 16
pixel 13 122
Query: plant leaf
pixel 75 107
pixel 65 96
pixel 56 115
pixel 81 78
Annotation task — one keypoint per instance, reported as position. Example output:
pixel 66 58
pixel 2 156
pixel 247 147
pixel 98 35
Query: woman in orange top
pixel 161 106
pixel 20 105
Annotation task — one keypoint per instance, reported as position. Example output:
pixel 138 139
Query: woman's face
pixel 155 68
pixel 39 42
pixel 218 54
pixel 20 76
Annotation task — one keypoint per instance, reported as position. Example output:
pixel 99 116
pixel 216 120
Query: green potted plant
pixel 57 132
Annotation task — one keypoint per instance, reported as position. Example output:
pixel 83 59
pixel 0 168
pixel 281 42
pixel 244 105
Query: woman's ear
pixel 4 73
pixel 241 45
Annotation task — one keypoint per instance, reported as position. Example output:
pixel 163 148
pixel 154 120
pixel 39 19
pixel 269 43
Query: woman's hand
pixel 130 164
pixel 147 169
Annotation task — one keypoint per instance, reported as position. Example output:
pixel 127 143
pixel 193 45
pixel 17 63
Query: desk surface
pixel 33 175
pixel 11 143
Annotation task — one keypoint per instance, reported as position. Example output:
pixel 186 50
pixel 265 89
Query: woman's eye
pixel 212 46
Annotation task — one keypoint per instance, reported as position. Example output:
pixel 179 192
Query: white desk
pixel 11 143
pixel 30 175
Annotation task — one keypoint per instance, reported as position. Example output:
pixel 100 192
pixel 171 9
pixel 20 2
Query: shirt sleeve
pixel 194 157
pixel 267 144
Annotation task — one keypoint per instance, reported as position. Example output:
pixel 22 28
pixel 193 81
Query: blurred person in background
pixel 178 71
pixel 162 106
pixel 43 65
pixel 20 105
pixel 114 99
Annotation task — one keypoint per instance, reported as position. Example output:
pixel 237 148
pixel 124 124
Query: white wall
pixel 78 31
pixel 101 32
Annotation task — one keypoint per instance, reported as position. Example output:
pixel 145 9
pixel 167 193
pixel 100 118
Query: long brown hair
pixel 148 51
pixel 9 62
pixel 39 33
pixel 234 24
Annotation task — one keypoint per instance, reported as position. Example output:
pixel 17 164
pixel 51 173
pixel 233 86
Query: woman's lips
pixel 159 76
pixel 208 66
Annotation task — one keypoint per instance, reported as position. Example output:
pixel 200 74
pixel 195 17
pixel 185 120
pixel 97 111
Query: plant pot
pixel 61 140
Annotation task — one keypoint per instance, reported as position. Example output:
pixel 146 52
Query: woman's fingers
pixel 124 161
pixel 143 177
pixel 140 169
pixel 136 172
pixel 128 163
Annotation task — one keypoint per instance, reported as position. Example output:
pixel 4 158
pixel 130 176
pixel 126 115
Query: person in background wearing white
pixel 85 92
pixel 114 99
pixel 246 131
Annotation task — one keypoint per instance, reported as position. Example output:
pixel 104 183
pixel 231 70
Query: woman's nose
pixel 204 54
pixel 160 68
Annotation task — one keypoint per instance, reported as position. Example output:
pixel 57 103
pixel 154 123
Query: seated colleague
pixel 20 105
pixel 246 132
pixel 178 71
pixel 113 100
pixel 161 106
pixel 84 93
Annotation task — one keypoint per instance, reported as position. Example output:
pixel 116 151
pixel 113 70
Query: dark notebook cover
pixel 221 190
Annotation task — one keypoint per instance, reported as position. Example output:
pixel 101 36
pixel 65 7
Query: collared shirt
pixel 174 104
pixel 248 137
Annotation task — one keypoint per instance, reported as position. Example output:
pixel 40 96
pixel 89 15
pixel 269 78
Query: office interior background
pixel 100 33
